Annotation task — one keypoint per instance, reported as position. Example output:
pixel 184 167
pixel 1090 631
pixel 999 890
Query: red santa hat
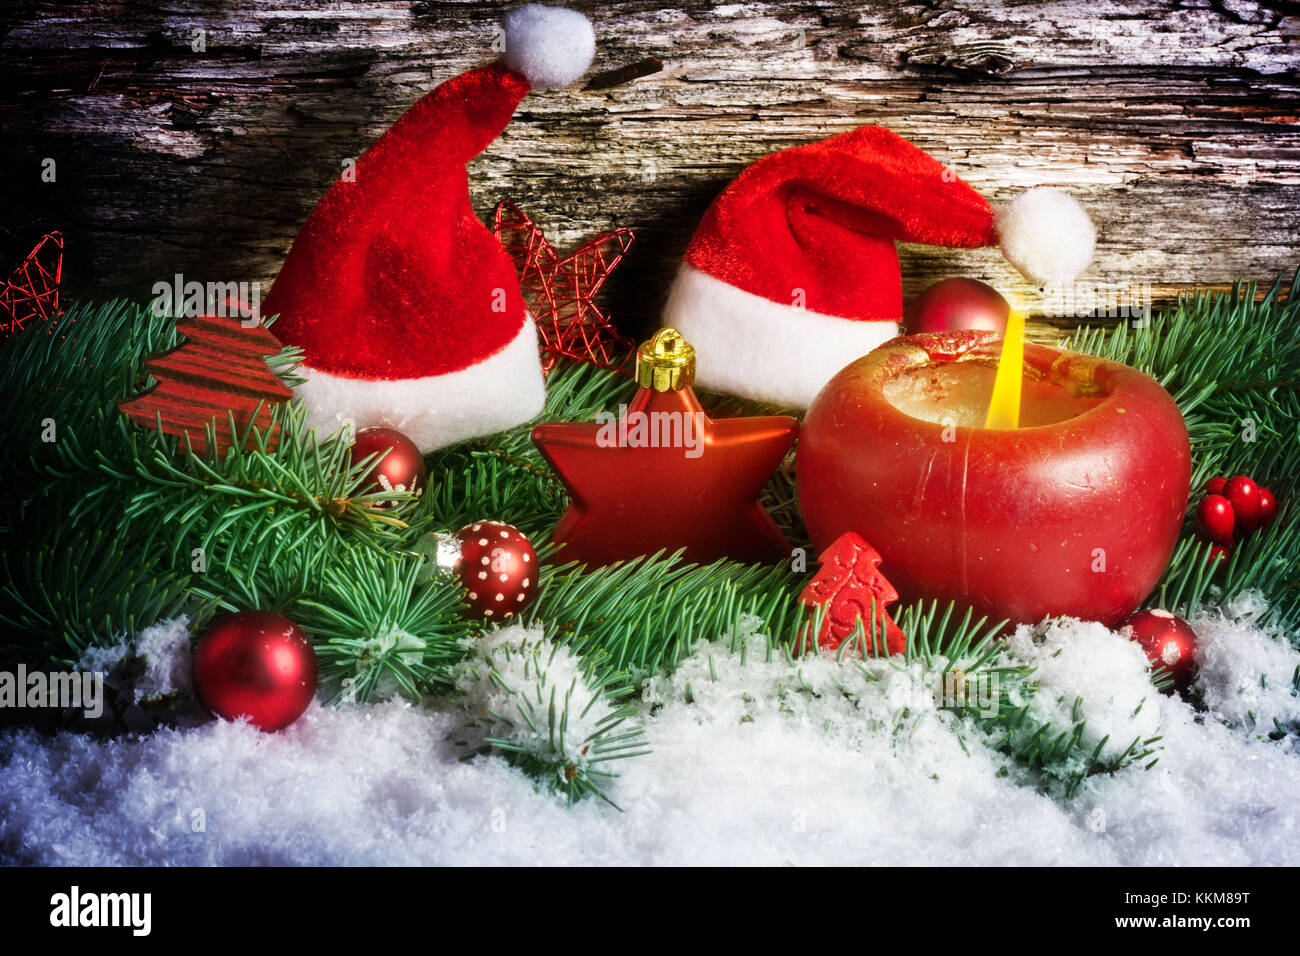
pixel 793 273
pixel 408 310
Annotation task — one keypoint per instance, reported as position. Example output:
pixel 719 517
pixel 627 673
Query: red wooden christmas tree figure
pixel 219 368
pixel 845 586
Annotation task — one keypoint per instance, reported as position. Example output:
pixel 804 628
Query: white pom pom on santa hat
pixel 549 46
pixel 1046 235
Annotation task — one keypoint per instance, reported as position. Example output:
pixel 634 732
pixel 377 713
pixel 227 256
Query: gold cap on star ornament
pixel 666 363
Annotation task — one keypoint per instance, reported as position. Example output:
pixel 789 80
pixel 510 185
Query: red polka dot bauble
pixel 400 469
pixel 1168 641
pixel 258 665
pixel 498 567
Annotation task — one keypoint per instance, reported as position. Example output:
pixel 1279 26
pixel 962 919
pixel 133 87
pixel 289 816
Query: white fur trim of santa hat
pixel 753 347
pixel 499 392
pixel 550 47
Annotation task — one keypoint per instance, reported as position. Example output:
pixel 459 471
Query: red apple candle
pixel 1074 511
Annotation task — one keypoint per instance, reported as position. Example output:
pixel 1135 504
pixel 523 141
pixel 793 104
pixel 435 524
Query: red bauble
pixel 956 304
pixel 1167 640
pixel 1215 485
pixel 498 567
pixel 401 468
pixel 1217 519
pixel 1244 495
pixel 1076 513
pixel 1267 507
pixel 255 664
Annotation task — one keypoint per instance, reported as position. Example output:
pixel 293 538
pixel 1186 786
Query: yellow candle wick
pixel 1004 407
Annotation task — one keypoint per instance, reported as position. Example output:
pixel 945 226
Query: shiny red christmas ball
pixel 402 466
pixel 1267 507
pixel 1244 495
pixel 1168 641
pixel 956 304
pixel 1217 519
pixel 255 664
pixel 498 567
pixel 1215 485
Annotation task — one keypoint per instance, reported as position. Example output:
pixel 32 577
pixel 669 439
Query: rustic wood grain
pixel 1176 124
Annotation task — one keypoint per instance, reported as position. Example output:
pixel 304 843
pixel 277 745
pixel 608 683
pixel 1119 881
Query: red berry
pixel 1267 507
pixel 1244 495
pixel 1218 556
pixel 1215 486
pixel 1217 518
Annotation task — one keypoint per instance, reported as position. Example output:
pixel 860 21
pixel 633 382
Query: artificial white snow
pixel 1246 674
pixel 550 46
pixel 168 658
pixel 103 659
pixel 165 650
pixel 764 762
pixel 1215 798
pixel 1046 235
pixel 405 647
pixel 1075 659
pixel 518 686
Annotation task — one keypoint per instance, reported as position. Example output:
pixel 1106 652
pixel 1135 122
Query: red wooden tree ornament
pixel 847 583
pixel 32 292
pixel 220 367
pixel 561 292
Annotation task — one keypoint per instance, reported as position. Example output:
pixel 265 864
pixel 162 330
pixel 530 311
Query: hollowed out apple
pixel 1075 513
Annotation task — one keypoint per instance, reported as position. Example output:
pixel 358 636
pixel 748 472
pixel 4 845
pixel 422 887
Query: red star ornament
pixel 561 292
pixel 664 476
pixel 847 585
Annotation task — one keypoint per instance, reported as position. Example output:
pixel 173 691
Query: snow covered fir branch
pixel 111 530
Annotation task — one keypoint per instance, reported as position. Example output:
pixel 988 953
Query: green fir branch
pixel 70 590
pixel 646 614
pixel 1232 363
pixel 376 629
pixel 100 528
pixel 562 718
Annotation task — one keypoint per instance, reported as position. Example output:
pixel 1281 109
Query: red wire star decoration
pixel 32 292
pixel 560 292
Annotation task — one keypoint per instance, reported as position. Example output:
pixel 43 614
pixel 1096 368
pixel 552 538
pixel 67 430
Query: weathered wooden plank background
pixel 1175 122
